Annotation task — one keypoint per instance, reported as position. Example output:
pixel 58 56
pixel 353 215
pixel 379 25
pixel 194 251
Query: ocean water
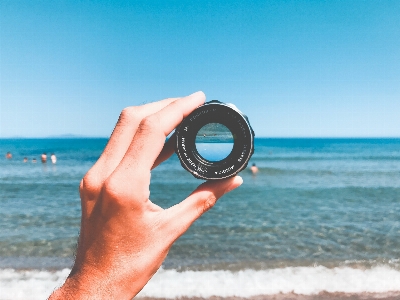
pixel 214 142
pixel 214 151
pixel 321 216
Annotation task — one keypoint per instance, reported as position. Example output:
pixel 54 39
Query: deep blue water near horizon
pixel 324 201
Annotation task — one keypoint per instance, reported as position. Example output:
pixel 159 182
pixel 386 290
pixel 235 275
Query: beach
pixel 292 296
pixel 320 220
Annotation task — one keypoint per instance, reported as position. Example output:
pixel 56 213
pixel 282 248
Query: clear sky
pixel 296 68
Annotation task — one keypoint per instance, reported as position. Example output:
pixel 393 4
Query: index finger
pixel 153 130
pixel 122 136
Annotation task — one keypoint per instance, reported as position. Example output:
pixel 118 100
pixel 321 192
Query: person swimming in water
pixel 44 157
pixel 254 169
pixel 53 158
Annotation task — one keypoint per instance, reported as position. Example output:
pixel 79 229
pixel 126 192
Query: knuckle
pixel 90 184
pixel 149 124
pixel 112 193
pixel 111 188
pixel 129 114
pixel 120 194
pixel 207 203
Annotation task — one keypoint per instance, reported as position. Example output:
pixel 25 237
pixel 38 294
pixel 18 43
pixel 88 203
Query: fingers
pixel 124 132
pixel 130 181
pixel 150 137
pixel 182 215
pixel 118 144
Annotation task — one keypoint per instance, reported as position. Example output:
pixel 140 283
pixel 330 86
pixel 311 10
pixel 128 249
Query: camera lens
pixel 215 141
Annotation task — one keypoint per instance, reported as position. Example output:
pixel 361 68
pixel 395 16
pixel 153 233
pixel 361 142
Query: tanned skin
pixel 125 237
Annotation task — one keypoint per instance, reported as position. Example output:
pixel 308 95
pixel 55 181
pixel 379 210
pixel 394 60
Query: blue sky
pixel 296 68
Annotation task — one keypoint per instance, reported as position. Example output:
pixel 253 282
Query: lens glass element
pixel 214 141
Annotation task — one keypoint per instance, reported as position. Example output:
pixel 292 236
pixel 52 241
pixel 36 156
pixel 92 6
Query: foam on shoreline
pixel 36 284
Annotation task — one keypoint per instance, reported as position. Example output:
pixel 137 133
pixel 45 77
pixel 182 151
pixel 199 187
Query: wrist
pixel 81 286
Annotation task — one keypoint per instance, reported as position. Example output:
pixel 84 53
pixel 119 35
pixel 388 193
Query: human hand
pixel 124 237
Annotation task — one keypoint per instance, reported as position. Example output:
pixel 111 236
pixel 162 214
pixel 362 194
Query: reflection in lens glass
pixel 214 142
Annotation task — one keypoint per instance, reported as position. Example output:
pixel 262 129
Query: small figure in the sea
pixel 44 157
pixel 53 158
pixel 25 159
pixel 254 169
pixel 34 160
pixel 8 155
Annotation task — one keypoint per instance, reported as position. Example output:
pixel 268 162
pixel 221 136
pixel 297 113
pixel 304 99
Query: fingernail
pixel 199 95
pixel 236 182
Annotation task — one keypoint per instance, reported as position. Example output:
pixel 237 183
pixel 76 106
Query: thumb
pixel 182 215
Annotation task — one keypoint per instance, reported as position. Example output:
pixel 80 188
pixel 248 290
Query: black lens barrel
pixel 225 114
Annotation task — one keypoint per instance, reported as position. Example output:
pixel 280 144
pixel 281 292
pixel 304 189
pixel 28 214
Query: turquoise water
pixel 214 151
pixel 315 202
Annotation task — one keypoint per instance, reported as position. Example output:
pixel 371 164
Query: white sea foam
pixel 32 284
pixel 171 284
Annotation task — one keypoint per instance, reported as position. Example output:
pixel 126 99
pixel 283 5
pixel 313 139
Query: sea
pixel 321 218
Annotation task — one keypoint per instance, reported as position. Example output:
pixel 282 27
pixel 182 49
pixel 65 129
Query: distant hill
pixel 68 136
